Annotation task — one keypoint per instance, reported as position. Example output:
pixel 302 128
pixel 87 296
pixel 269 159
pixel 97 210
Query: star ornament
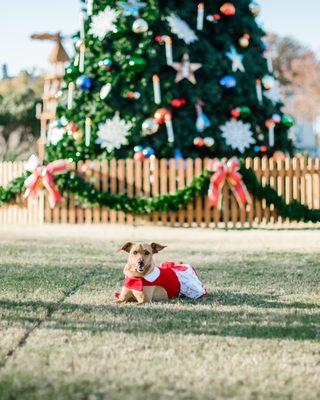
pixel 186 69
pixel 131 7
pixel 236 59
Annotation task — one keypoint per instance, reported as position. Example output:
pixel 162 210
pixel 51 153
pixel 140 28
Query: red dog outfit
pixel 177 280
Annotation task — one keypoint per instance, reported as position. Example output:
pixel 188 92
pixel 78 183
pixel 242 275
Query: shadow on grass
pixel 272 319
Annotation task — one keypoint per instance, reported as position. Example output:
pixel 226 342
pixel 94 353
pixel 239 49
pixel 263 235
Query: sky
pixel 20 18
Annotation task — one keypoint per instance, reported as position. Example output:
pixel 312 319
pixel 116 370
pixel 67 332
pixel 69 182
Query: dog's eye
pixel 146 252
pixel 135 252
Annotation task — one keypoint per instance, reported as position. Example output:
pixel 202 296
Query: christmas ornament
pixel 276 118
pixel 259 90
pixel 236 59
pixel 274 94
pixel 71 88
pixel 270 124
pixel 138 156
pixel 263 149
pixel 137 63
pixel 161 114
pixel 105 90
pixel 244 41
pixel 56 132
pixel 178 103
pixel 87 131
pixel 104 22
pixel 177 155
pixel 169 55
pixel 203 121
pixel 106 64
pixel 208 141
pixel 43 175
pixel 149 127
pixel 215 18
pixel 228 9
pixel 131 95
pixel 237 135
pixel 200 16
pixel 227 172
pixel 156 89
pixel 255 9
pixel 82 25
pixel 137 148
pixel 81 58
pixel 228 82
pixel 169 126
pixel 148 152
pixel 236 112
pixel 245 111
pixel 140 26
pixel 287 122
pixel 131 7
pixel 113 133
pixel 199 142
pixel 77 136
pixel 186 69
pixel 181 29
pixel 268 82
pixel 84 83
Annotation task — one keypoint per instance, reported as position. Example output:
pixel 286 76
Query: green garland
pixel 14 188
pixel 87 193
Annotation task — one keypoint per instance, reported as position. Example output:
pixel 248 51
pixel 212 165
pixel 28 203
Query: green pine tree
pixel 126 48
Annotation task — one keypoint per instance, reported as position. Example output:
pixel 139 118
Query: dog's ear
pixel 156 247
pixel 126 247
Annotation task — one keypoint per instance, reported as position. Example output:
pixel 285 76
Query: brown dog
pixel 140 263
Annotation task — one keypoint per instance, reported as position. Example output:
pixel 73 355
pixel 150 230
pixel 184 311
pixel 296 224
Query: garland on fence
pixel 87 193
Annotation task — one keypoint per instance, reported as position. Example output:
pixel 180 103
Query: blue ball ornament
pixel 137 148
pixel 256 149
pixel 228 82
pixel 148 152
pixel 84 83
pixel 177 154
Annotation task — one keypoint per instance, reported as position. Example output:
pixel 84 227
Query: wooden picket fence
pixel 295 178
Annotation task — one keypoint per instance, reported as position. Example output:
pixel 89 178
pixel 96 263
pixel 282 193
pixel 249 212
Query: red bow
pixel 44 174
pixel 227 172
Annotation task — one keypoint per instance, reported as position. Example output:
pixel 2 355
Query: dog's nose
pixel 140 263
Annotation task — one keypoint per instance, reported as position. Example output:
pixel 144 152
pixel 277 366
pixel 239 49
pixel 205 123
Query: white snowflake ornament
pixel 237 135
pixel 113 133
pixel 180 28
pixel 104 22
pixel 236 59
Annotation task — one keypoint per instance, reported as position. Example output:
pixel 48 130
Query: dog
pixel 145 282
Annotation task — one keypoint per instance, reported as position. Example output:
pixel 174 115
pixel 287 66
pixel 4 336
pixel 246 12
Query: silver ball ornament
pixel 150 126
pixel 140 26
pixel 268 82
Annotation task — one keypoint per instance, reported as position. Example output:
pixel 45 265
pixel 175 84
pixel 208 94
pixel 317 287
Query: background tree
pixel 298 71
pixel 18 125
pixel 172 77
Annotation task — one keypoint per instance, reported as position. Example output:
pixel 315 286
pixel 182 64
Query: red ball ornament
pixel 228 9
pixel 73 127
pixel 159 39
pixel 201 142
pixel 138 156
pixel 235 113
pixel 161 115
pixel 177 103
pixel 216 17
pixel 263 149
pixel 269 123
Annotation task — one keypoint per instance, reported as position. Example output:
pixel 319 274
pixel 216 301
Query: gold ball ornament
pixel 77 136
pixel 268 82
pixel 244 41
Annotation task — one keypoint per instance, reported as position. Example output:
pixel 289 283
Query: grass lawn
pixel 256 336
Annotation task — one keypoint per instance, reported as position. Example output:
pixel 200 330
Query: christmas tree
pixel 169 78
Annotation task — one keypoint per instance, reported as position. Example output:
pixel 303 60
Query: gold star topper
pixel 186 69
